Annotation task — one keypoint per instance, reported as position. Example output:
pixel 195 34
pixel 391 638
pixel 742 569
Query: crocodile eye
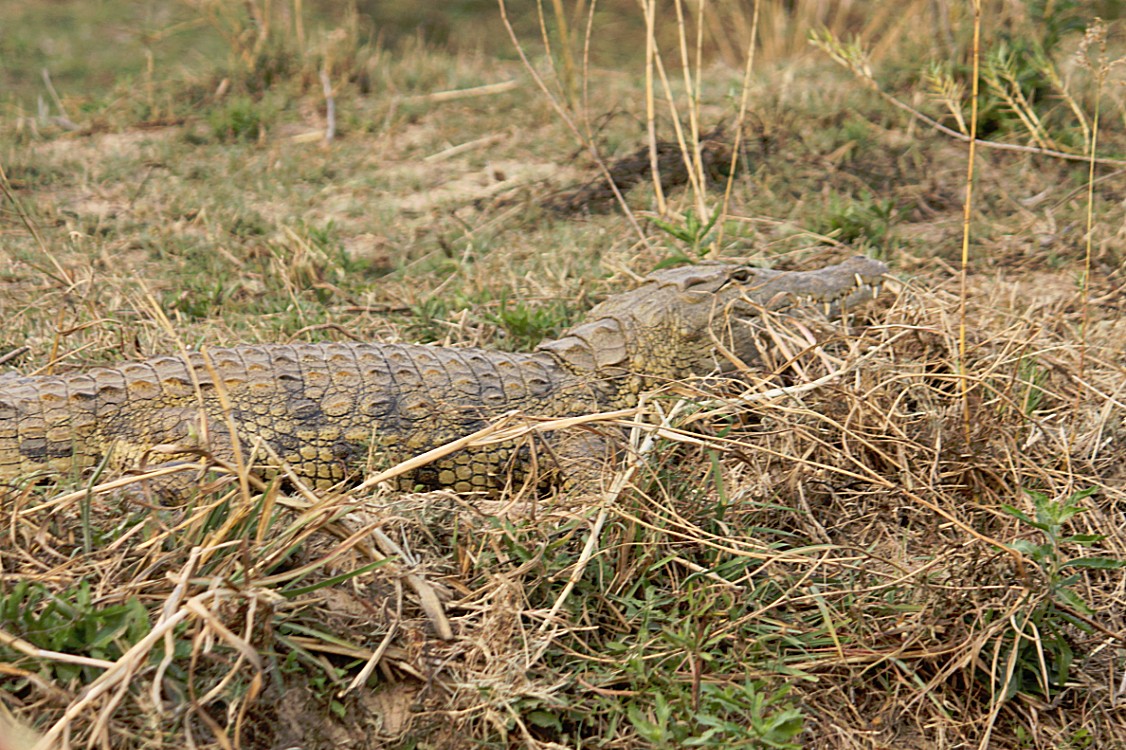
pixel 740 275
pixel 705 279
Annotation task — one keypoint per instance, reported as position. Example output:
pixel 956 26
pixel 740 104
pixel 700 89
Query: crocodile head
pixel 695 320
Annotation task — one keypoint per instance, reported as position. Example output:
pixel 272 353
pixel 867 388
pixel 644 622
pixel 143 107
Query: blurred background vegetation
pixel 92 48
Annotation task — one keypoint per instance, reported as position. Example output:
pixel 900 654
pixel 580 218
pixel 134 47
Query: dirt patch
pixel 596 195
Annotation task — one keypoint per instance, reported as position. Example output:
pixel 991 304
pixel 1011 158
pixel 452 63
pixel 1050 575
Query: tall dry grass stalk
pixel 650 11
pixel 570 79
pixel 740 122
pixel 967 213
pixel 689 144
pixel 1100 66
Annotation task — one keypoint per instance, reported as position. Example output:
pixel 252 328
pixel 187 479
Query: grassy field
pixel 921 551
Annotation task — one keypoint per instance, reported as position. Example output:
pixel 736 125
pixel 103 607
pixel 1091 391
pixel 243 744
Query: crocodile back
pixel 328 410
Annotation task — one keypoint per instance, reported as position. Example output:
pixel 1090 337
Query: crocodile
pixel 333 411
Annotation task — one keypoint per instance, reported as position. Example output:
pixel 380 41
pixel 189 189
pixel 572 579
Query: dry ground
pixel 905 555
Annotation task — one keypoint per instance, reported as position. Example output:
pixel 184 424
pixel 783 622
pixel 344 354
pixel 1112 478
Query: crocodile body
pixel 334 411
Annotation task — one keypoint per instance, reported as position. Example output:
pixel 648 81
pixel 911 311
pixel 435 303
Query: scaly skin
pixel 334 411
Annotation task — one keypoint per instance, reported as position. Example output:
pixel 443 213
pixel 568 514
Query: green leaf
pixel 1098 563
pixel 1067 581
pixel 1064 657
pixel 1079 624
pixel 677 259
pixel 545 719
pixel 1073 600
pixel 335 579
pixel 1026 547
pixel 703 739
pixel 647 729
pixel 1021 516
pixel 337 708
pixel 670 229
pixel 711 222
pixel 1084 540
pixel 664 709
pixel 1066 513
pixel 785 725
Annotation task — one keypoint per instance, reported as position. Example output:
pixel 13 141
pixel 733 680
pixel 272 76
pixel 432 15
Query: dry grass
pixel 847 556
pixel 846 537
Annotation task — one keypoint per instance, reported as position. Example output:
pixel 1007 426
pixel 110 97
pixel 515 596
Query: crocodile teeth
pixel 876 289
pixel 828 306
pixel 859 281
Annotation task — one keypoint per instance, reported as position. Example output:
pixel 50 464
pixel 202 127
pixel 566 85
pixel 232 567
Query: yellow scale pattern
pixel 328 410
pixel 332 411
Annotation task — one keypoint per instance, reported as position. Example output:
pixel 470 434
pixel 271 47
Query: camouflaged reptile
pixel 335 411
